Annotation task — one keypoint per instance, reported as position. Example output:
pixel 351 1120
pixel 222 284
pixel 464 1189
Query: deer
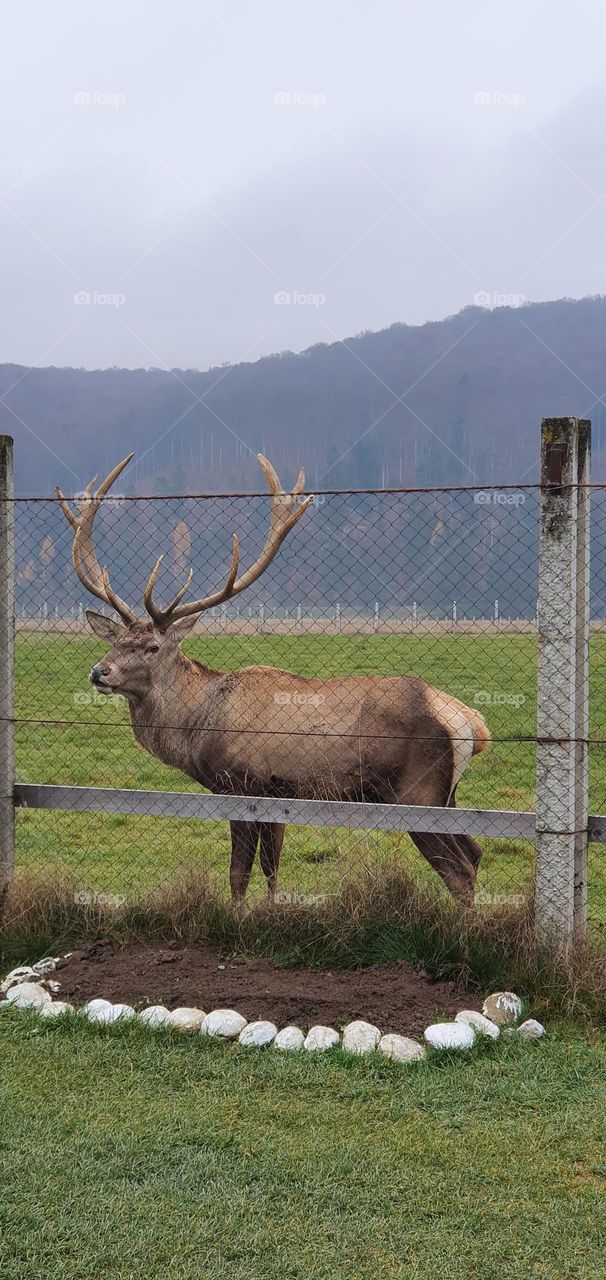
pixel 263 731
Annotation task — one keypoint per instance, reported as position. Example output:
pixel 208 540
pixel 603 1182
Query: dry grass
pixel 379 915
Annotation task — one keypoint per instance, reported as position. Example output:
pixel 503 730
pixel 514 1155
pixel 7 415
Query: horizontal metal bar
pixel 313 813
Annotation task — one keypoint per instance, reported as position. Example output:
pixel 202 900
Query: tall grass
pixel 378 915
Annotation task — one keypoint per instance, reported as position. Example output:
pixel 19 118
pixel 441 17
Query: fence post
pixel 581 684
pixel 7 658
pixel 561 683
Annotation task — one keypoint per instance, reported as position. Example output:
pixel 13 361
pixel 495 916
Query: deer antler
pixel 84 560
pixel 285 512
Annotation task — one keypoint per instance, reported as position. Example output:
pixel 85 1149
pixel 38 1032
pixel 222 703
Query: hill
pixel 451 402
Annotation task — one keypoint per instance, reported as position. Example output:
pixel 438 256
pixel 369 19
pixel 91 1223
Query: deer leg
pixel 450 860
pixel 471 851
pixel 244 841
pixel 454 858
pixel 272 839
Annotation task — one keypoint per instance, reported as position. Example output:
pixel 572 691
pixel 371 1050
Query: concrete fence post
pixel 562 684
pixel 7 665
pixel 581 684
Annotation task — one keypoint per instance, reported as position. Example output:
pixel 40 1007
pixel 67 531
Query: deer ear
pixel 180 629
pixel 104 627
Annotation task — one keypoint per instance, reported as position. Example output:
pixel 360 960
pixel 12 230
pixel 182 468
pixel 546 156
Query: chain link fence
pixel 437 585
pixel 398 623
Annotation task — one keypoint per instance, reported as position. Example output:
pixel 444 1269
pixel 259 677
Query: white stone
pixel 450 1035
pixel 155 1016
pixel 186 1019
pixel 45 966
pixel 24 973
pixel 401 1048
pixel 531 1029
pixel 321 1038
pixel 258 1034
pixel 289 1039
pixel 27 995
pixel 226 1023
pixel 360 1037
pixel 52 985
pixel 484 1026
pixel 503 1007
pixel 120 1013
pixel 55 1008
pixel 97 1010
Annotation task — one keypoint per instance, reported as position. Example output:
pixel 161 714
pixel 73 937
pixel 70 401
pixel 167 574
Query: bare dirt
pixel 394 996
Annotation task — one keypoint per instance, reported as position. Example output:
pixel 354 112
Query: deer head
pixel 142 652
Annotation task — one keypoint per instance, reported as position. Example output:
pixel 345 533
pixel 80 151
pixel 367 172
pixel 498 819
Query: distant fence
pixel 74 752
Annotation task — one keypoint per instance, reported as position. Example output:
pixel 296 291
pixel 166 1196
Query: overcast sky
pixel 186 183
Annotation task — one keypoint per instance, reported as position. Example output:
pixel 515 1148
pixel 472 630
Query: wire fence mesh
pixel 368 591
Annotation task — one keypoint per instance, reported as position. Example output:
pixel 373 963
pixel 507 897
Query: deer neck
pixel 161 717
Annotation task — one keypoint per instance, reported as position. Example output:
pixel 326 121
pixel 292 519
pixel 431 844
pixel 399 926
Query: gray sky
pixel 185 165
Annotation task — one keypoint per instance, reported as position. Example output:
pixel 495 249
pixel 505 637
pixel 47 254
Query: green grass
pixel 122 855
pixel 135 1156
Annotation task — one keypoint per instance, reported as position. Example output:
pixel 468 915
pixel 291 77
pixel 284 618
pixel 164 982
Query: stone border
pixel 31 987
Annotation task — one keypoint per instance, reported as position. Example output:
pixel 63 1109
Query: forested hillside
pixel 445 403
pixel 452 403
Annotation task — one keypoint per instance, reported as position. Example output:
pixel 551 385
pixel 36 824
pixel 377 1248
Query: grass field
pixel 122 855
pixel 141 1156
pixel 136 1156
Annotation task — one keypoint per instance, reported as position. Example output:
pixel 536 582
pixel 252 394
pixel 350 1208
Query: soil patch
pixel 394 996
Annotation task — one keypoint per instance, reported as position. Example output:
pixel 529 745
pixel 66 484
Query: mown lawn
pixel 94 746
pixel 134 1156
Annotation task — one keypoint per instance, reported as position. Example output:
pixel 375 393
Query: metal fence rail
pixel 356 815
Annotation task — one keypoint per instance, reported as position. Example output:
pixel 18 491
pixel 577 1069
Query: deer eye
pixel 152 648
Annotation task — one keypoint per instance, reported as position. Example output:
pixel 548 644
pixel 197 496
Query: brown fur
pixel 263 731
